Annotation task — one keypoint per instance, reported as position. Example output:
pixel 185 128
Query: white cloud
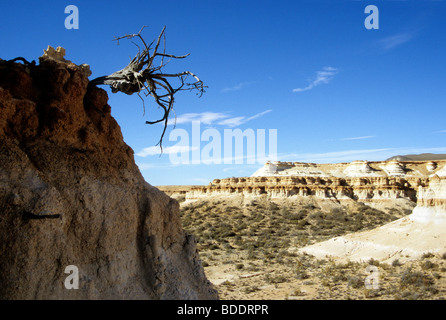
pixel 237 121
pixel 357 138
pixel 152 166
pixel 204 118
pixel 232 122
pixel 441 131
pixel 216 118
pixel 236 87
pixel 151 151
pixel 351 155
pixel 245 170
pixel 208 118
pixel 336 156
pixel 258 115
pixel 323 76
pixel 394 41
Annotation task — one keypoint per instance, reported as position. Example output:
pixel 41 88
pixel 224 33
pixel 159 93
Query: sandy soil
pixel 255 251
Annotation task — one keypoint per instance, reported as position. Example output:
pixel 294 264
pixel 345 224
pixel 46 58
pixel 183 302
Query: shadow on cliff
pixel 72 195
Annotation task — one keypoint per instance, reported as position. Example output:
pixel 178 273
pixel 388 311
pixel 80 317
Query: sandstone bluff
pixel 71 194
pixel 379 183
pixel 415 187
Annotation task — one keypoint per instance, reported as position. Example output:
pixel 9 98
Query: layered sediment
pixel 431 201
pixel 361 189
pixel 369 182
pixel 407 238
pixel 415 188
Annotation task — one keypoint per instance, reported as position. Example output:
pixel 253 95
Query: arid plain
pixel 369 233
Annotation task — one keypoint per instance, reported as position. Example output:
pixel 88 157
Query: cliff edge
pixel 72 195
pixel 407 238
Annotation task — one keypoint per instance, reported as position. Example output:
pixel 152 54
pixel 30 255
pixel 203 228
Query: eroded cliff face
pixel 354 169
pixel 374 183
pixel 71 194
pixel 431 200
pixel 421 232
pixel 362 189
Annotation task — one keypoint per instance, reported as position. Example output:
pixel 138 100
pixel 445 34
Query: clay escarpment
pixel 359 180
pixel 71 194
pixel 358 188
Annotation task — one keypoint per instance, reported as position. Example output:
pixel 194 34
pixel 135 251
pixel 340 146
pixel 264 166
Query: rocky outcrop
pixel 358 168
pixel 370 182
pixel 431 166
pixel 364 189
pixel 72 195
pixel 407 238
pixel 417 189
pixel 440 173
pixel 395 168
pixel 384 185
pixel 431 204
pixel 419 157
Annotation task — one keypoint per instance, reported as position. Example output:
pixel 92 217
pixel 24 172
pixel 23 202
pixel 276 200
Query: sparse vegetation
pixel 256 240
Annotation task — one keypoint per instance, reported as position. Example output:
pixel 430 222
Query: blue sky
pixel 334 90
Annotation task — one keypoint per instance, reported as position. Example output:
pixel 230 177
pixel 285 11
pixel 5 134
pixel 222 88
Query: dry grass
pixel 245 252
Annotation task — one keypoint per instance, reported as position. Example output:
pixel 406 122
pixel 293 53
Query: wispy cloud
pixel 336 156
pixel 216 118
pixel 201 180
pixel 203 117
pixel 394 41
pixel 359 154
pixel 207 118
pixel 323 76
pixel 258 115
pixel 232 122
pixel 247 169
pixel 357 138
pixel 236 87
pixel 143 166
pixel 441 131
pixel 154 150
pixel 237 121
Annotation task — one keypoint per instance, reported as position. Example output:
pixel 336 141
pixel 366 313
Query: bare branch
pixel 141 75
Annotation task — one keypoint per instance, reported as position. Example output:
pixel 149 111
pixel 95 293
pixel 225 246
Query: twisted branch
pixel 143 75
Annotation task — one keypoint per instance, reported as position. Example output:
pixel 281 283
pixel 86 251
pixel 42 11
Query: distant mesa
pixel 415 187
pixel 375 182
pixel 419 157
pixel 357 168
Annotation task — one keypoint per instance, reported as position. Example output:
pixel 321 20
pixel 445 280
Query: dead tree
pixel 144 74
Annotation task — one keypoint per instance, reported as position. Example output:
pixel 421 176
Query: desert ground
pixel 250 250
